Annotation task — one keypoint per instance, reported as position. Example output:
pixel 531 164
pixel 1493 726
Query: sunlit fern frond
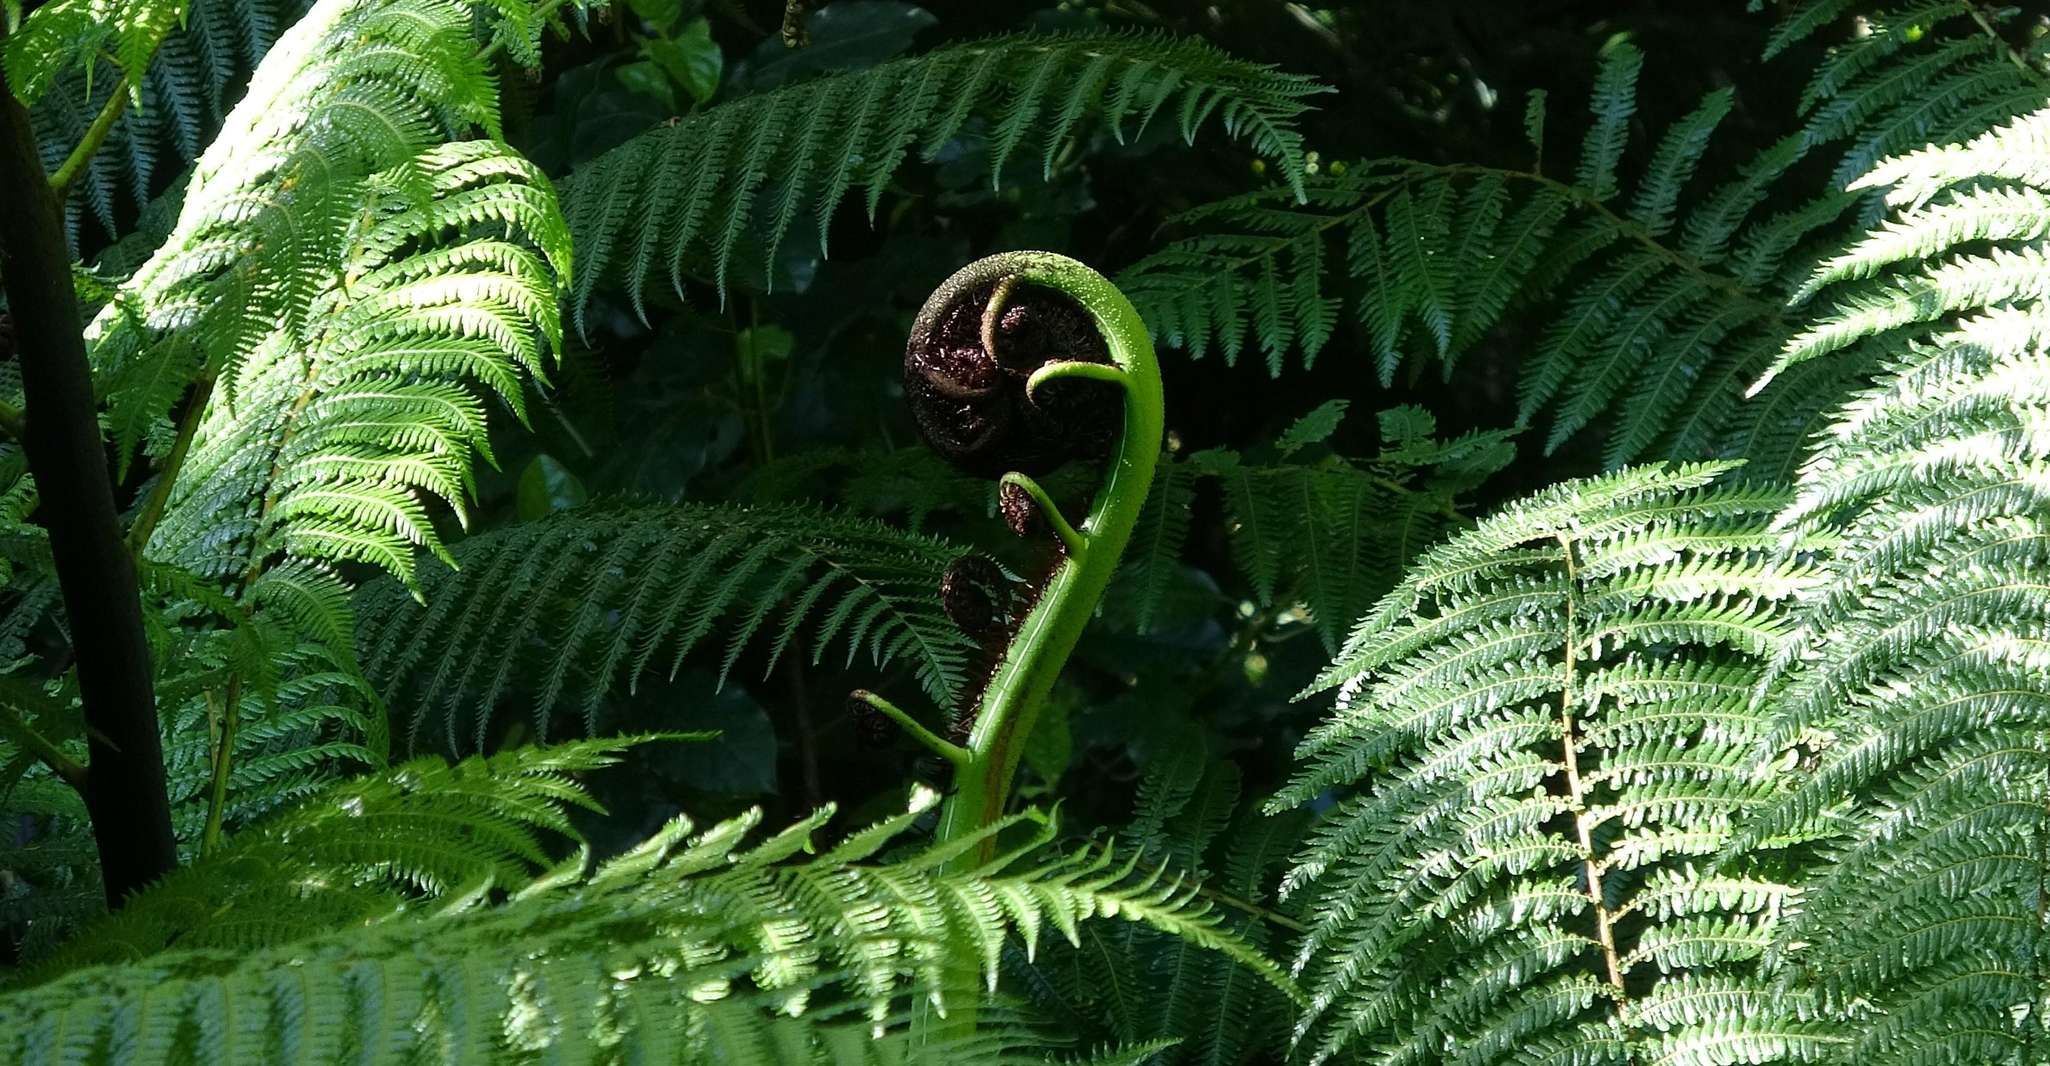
pixel 354 851
pixel 625 959
pixel 352 286
pixel 1917 688
pixel 1544 735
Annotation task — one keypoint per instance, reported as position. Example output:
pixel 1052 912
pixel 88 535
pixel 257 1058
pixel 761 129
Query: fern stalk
pixel 81 157
pixel 1009 705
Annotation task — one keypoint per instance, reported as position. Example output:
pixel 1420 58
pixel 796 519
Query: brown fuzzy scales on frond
pixel 966 368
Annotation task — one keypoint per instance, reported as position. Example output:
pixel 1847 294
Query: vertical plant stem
pixel 1010 704
pixel 224 749
pixel 124 789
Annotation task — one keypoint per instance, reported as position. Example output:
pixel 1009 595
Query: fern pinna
pixel 676 576
pixel 1550 728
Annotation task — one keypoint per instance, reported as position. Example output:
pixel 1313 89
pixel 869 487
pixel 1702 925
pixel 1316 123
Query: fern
pixel 179 104
pixel 689 198
pixel 1549 728
pixel 1667 307
pixel 1328 534
pixel 635 958
pixel 1916 682
pixel 1130 983
pixel 350 288
pixel 591 596
pixel 355 851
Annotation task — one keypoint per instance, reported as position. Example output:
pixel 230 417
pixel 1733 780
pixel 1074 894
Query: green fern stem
pixel 1009 706
pixel 81 156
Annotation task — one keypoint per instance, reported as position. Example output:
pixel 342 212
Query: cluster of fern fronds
pixel 1742 756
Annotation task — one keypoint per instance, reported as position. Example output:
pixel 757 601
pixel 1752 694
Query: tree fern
pixel 590 597
pixel 634 958
pixel 1543 736
pixel 684 200
pixel 1916 685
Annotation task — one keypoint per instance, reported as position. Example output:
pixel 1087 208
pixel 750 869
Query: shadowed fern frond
pixel 1543 737
pixel 684 200
pixel 1318 530
pixel 581 600
pixel 1658 310
pixel 1129 983
pixel 183 99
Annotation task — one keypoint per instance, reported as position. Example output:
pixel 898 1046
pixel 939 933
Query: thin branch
pixel 64 766
pixel 95 135
pixel 167 479
pixel 224 752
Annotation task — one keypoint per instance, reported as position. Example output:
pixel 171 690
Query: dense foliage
pixel 1535 548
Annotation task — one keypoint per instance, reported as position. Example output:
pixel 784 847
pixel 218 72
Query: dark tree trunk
pixel 124 785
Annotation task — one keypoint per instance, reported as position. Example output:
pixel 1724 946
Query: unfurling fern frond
pixel 685 199
pixel 675 949
pixel 1550 728
pixel 1918 684
pixel 578 601
pixel 350 287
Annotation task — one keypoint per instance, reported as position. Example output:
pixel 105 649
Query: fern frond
pixel 1131 983
pixel 597 595
pixel 1328 534
pixel 645 948
pixel 179 103
pixel 350 287
pixel 1542 736
pixel 1434 257
pixel 1914 689
pixel 686 200
pixel 356 851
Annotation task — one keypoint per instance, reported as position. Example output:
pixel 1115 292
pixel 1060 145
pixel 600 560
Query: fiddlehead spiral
pixel 976 595
pixel 1019 362
pixel 967 368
